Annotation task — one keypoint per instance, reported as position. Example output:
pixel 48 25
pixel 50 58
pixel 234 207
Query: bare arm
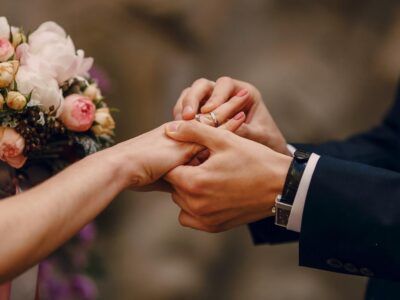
pixel 33 224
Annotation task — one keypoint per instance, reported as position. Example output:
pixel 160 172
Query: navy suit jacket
pixel 351 218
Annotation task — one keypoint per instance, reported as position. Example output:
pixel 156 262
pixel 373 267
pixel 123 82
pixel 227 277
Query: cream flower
pixel 16 100
pixel 7 72
pixel 51 52
pixel 93 92
pixel 45 90
pixel 105 123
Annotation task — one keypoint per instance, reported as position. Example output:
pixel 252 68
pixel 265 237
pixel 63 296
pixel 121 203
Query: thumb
pixel 195 132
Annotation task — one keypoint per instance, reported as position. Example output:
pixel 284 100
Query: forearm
pixel 36 222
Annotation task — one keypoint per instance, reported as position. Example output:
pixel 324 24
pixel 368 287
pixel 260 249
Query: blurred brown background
pixel 326 69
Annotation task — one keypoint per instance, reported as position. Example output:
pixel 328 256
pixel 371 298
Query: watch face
pixel 282 217
pixel 282 213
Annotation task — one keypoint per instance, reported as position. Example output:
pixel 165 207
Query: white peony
pixel 51 52
pixel 45 90
pixel 4 28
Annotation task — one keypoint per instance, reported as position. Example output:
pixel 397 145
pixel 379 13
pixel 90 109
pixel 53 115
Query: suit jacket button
pixel 334 263
pixel 366 272
pixel 350 268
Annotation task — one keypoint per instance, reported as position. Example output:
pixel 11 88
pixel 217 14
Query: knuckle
pixel 185 91
pixel 188 127
pixel 198 208
pixel 225 80
pixel 201 81
pixel 182 220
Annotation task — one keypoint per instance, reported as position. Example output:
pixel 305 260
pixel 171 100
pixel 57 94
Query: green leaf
pixel 28 99
pixel 15 85
pixel 11 36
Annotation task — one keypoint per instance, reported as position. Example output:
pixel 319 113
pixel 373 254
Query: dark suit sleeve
pixel 351 220
pixel 379 147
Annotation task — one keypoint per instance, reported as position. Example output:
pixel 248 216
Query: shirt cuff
pixel 296 215
pixel 291 149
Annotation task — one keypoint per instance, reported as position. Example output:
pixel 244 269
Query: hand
pixel 210 96
pixel 145 159
pixel 236 185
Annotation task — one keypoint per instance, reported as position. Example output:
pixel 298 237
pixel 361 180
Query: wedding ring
pixel 198 118
pixel 214 118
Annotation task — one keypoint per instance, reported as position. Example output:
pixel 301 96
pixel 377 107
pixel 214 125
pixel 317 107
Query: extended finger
pixel 224 89
pixel 195 132
pixel 232 106
pixel 234 123
pixel 200 90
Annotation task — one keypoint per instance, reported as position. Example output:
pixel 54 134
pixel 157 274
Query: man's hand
pixel 236 185
pixel 208 96
pixel 146 158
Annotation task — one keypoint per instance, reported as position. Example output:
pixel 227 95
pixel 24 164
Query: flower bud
pixel 93 92
pixel 6 49
pixel 105 124
pixel 18 38
pixel 7 72
pixel 16 100
pixel 12 145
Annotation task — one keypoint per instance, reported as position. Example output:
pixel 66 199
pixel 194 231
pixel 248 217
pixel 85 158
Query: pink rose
pixel 12 145
pixel 78 113
pixel 6 49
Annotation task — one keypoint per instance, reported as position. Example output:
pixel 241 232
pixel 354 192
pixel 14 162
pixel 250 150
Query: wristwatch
pixel 284 202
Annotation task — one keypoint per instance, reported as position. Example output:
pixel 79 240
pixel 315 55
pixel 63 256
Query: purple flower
pixel 102 79
pixel 88 233
pixel 84 287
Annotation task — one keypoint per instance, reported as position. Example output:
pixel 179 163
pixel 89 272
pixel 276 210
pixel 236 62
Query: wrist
pixel 282 168
pixel 275 178
pixel 115 165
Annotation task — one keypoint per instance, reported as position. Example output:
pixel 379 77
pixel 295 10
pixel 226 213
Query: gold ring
pixel 214 118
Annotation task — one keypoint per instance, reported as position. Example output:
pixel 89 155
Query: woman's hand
pixel 207 96
pixel 145 159
pixel 236 185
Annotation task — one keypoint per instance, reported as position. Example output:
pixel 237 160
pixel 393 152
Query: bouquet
pixel 52 113
pixel 50 108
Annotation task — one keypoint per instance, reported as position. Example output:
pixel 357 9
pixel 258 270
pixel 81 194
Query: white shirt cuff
pixel 291 149
pixel 296 215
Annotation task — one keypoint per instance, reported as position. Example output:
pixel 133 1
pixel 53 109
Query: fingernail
pixel 239 116
pixel 188 110
pixel 173 127
pixel 242 93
